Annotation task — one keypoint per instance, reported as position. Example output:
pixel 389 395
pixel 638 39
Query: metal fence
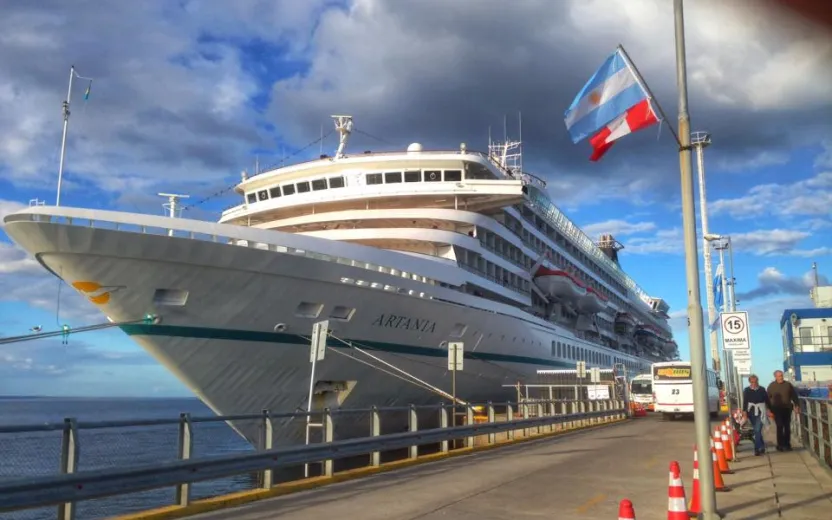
pixel 813 428
pixel 75 483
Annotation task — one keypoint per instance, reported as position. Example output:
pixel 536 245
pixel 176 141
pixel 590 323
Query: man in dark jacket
pixel 756 403
pixel 784 401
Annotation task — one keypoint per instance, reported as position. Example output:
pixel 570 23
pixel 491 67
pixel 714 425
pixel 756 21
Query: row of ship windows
pixel 370 179
pixel 542 247
pixel 575 353
pixel 414 176
pixel 544 227
pixel 298 187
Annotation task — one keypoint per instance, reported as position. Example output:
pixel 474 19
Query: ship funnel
pixel 610 246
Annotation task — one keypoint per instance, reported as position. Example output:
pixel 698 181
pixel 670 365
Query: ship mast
pixel 343 125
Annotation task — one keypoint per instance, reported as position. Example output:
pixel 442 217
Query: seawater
pixel 38 454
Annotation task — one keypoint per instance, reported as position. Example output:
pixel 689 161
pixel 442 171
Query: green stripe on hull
pixel 176 331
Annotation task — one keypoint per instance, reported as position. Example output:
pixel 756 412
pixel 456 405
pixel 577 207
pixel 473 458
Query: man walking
pixel 783 399
pixel 756 404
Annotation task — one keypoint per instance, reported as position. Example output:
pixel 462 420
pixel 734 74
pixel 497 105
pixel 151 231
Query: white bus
pixel 641 391
pixel 673 389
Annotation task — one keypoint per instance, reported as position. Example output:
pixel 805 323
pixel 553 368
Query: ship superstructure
pixel 401 251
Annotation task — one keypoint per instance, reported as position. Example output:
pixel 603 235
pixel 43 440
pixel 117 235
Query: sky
pixel 187 94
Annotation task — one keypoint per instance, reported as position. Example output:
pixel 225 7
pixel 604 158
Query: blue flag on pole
pixel 718 296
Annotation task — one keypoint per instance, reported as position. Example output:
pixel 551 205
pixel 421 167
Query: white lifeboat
pixel 592 302
pixel 559 284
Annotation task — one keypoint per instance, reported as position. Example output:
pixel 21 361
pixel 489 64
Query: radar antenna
pixel 343 125
pixel 174 211
pixel 171 206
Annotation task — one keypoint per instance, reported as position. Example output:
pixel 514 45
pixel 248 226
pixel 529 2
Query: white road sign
pixel 735 334
pixel 317 351
pixel 455 355
pixel 744 371
pixel 741 354
pixel 580 367
pixel 742 363
pixel 597 392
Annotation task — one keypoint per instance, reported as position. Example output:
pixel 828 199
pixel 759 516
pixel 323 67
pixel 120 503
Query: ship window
pixel 309 310
pixel 459 330
pixel 336 182
pixel 289 189
pixel 275 192
pixel 251 198
pixel 374 178
pixel 433 176
pixel 263 195
pixel 303 187
pixel 554 349
pixel 342 313
pixel 392 177
pixel 412 176
pixel 319 184
pixel 453 175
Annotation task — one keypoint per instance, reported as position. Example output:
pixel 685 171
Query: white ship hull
pixel 223 342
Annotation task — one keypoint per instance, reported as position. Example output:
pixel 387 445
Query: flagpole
pixel 72 74
pixel 63 137
pixel 702 423
pixel 646 89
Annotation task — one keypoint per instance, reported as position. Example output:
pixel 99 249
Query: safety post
pixel 69 463
pixel 375 431
pixel 267 436
pixel 186 444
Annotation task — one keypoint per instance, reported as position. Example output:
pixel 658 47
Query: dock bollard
pixel 626 511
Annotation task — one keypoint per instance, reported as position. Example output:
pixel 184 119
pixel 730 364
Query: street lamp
pixel 729 304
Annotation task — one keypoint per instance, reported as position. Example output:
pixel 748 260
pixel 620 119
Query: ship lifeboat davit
pixel 625 323
pixel 648 335
pixel 559 284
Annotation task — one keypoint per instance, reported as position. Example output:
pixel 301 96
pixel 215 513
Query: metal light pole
pixel 729 304
pixel 695 321
pixel 700 141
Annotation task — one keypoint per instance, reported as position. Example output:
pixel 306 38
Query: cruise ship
pixel 401 252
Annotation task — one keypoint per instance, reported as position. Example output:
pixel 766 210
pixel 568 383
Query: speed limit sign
pixel 735 334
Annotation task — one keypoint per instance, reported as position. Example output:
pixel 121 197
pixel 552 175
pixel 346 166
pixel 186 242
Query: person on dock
pixel 757 403
pixel 784 401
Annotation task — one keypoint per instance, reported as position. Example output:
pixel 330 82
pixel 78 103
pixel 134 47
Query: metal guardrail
pixel 65 489
pixel 814 428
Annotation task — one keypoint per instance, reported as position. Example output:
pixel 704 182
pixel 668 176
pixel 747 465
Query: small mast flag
pixel 612 104
pixel 87 92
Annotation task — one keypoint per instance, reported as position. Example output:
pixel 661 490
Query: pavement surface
pixel 582 475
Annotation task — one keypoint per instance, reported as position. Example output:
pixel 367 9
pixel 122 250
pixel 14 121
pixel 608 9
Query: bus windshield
pixel 642 388
pixel 679 373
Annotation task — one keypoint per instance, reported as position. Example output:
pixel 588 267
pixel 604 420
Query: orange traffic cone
pixel 720 454
pixel 726 444
pixel 626 511
pixel 695 506
pixel 676 508
pixel 719 484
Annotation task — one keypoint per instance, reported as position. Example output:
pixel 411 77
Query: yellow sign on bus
pixel 673 372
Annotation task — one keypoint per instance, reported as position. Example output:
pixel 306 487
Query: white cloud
pixel 668 241
pixel 15 260
pixel 808 197
pixel 618 227
pixel 772 281
pixel 9 206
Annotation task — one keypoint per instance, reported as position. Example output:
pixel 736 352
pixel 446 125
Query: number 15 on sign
pixel 735 334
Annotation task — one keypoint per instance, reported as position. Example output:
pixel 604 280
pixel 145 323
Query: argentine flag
pixel 718 296
pixel 609 93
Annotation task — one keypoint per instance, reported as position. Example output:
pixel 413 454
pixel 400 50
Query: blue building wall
pixel 796 360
